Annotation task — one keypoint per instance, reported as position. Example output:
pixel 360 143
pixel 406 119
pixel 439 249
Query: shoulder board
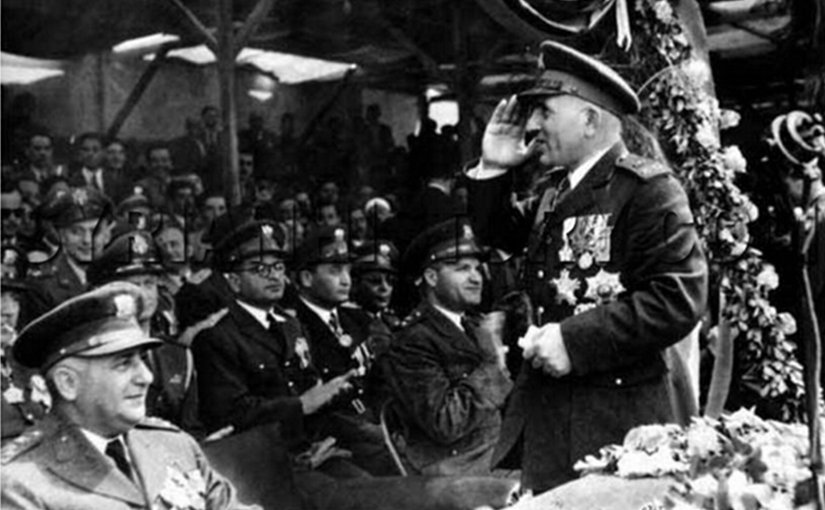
pixel 412 318
pixel 23 443
pixel 643 167
pixel 152 422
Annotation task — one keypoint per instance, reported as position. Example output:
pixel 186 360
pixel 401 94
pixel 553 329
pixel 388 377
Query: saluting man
pixel 613 265
pixel 96 449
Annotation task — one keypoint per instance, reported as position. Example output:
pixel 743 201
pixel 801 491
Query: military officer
pixel 255 364
pixel 133 257
pixel 81 218
pixel 97 449
pixel 374 274
pixel 340 343
pixel 612 265
pixel 449 379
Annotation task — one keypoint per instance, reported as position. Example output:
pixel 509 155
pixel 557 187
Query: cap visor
pixel 119 341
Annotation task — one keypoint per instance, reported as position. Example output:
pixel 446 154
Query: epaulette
pixel 43 270
pixel 23 443
pixel 153 422
pixel 411 319
pixel 643 167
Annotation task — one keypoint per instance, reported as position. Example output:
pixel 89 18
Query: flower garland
pixel 686 118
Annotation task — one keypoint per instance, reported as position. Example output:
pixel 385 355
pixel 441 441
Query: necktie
pixel 334 325
pixel 116 451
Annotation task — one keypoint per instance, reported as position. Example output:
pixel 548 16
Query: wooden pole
pixel 137 91
pixel 253 21
pixel 196 24
pixel 226 78
pixel 463 82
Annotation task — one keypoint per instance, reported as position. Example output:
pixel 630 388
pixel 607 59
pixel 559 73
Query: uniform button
pixel 454 452
pixel 287 364
pixel 290 384
pixel 326 370
pixel 540 310
pixel 464 375
pixel 539 274
pixel 619 381
pixel 261 366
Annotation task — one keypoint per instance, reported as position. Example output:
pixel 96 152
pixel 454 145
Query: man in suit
pixel 88 168
pixel 97 449
pixel 82 221
pixel 40 166
pixel 613 265
pixel 449 380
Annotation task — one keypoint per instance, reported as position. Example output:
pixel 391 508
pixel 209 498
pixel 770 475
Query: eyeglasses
pixel 9 213
pixel 380 278
pixel 266 270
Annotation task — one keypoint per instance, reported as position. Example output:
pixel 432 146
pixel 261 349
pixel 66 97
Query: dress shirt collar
pixel 578 173
pixel 455 318
pixel 260 315
pixel 323 313
pixel 100 442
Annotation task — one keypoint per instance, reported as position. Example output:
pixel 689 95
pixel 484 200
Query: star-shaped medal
pixel 566 288
pixel 604 287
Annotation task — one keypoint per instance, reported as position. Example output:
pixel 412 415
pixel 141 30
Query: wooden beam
pixel 199 27
pixel 137 91
pixel 226 78
pixel 253 21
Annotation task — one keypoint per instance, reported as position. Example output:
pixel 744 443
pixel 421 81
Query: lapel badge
pixel 267 231
pixel 345 341
pixel 384 250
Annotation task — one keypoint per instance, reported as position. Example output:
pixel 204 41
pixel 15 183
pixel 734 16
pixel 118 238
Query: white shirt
pixel 323 313
pixel 480 173
pixel 100 442
pixel 93 177
pixel 260 315
pixel 455 318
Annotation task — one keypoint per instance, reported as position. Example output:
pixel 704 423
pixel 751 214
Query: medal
pixel 345 340
pixel 585 261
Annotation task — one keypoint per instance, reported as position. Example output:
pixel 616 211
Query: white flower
pixel 728 119
pixel 786 323
pixel 768 278
pixel 706 136
pixel 734 160
pixel 663 11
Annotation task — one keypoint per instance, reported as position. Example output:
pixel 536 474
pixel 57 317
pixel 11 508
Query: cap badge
pixel 267 231
pixel 339 235
pixel 125 306
pixel 139 245
pixel 138 190
pixel 468 232
pixel 384 250
pixel 9 257
pixel 80 196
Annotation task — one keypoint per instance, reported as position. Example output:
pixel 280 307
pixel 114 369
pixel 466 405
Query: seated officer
pixel 447 377
pixel 374 271
pixel 80 218
pixel 133 257
pixel 254 366
pixel 97 449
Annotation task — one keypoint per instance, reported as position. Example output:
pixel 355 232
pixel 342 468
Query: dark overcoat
pixel 617 262
pixel 248 375
pixel 450 393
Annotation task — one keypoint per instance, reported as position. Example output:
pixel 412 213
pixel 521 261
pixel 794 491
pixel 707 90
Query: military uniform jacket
pixel 57 281
pixel 53 466
pixel 248 375
pixel 616 261
pixel 450 394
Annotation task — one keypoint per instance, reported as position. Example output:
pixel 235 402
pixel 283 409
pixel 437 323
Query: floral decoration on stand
pixel 737 462
pixel 686 118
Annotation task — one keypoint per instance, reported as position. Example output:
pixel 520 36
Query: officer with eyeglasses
pixel 254 366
